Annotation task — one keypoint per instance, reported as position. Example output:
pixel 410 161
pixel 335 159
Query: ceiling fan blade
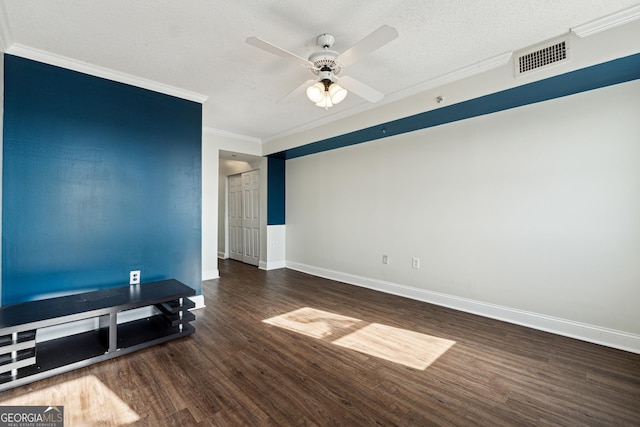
pixel 360 89
pixel 268 47
pixel 296 92
pixel 373 41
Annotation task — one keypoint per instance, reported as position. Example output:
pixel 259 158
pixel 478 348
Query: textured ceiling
pixel 199 45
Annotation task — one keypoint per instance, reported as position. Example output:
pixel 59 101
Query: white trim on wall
pixel 103 72
pixel 210 274
pixel 590 333
pixel 5 33
pixel 274 265
pixel 231 135
pixel 607 22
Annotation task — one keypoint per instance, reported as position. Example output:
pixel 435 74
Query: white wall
pixel 532 210
pixel 209 206
pixel 276 247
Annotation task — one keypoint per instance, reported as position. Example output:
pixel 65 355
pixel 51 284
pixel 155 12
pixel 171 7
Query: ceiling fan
pixel 326 66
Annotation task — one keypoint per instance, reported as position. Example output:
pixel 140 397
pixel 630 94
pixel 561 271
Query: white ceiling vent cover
pixel 542 56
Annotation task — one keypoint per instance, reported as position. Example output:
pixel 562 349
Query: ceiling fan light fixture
pixel 325 102
pixel 316 92
pixel 326 94
pixel 337 93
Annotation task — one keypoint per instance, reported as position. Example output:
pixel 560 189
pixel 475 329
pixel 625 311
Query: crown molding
pixel 227 134
pixel 5 34
pixel 106 73
pixel 607 22
pixel 462 73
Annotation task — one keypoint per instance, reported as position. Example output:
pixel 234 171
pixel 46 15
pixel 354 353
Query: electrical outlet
pixel 415 263
pixel 385 259
pixel 134 277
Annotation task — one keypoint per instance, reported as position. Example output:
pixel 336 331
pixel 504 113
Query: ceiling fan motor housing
pixel 325 41
pixel 325 60
pixel 326 77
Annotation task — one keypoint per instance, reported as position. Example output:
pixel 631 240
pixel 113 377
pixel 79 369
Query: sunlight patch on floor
pixel 397 345
pixel 408 348
pixel 87 402
pixel 313 323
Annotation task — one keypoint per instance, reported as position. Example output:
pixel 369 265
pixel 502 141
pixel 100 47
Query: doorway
pixel 244 217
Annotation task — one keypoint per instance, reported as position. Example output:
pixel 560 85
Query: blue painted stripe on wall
pixel 99 178
pixel 276 191
pixel 594 77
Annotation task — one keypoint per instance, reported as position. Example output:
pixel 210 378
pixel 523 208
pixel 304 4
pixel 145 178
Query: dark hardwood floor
pixel 284 348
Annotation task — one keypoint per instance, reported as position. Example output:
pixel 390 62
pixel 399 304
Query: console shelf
pixel 23 359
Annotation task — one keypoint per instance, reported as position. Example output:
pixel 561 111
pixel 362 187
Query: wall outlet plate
pixel 415 263
pixel 134 277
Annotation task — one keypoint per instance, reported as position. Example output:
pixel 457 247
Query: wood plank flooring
pixel 277 349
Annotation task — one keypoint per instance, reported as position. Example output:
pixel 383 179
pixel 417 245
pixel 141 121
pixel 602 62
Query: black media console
pixel 24 360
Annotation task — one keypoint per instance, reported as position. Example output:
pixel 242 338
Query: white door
pixel 235 217
pixel 244 217
pixel 251 216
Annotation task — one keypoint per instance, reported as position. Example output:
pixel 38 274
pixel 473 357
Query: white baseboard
pixel 86 325
pixel 199 300
pixel 222 255
pixel 272 265
pixel 66 329
pixel 91 324
pixel 585 332
pixel 210 275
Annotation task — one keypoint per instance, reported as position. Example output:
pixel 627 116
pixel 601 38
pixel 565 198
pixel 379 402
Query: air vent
pixel 542 56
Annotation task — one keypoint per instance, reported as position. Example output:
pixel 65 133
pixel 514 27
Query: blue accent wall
pixel 276 173
pixel 99 178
